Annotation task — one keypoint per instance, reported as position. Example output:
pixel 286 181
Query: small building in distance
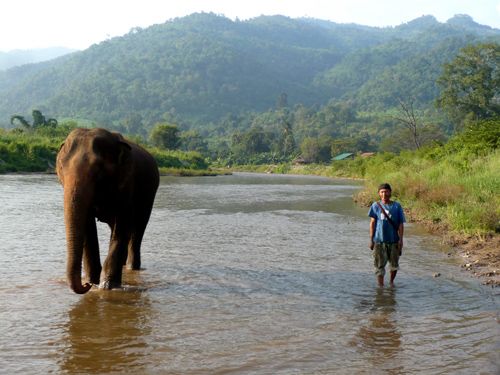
pixel 344 156
pixel 366 154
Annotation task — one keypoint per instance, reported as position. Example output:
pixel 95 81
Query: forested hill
pixel 202 67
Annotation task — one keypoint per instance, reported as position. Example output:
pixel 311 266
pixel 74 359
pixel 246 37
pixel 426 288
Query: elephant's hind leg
pixel 134 245
pixel 134 252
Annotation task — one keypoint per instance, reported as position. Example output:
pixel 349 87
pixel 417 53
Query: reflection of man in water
pixel 386 233
pixel 380 338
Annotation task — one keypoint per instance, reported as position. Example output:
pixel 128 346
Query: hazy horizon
pixel 59 23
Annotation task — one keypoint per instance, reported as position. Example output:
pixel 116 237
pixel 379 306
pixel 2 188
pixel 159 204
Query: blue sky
pixel 26 24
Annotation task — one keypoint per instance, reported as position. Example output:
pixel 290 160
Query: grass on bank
pixel 462 196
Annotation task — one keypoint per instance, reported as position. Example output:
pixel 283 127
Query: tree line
pixel 470 90
pixel 199 70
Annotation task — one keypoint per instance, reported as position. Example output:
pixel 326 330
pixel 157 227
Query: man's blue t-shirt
pixel 384 231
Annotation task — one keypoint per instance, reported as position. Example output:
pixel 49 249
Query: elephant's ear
pixel 123 152
pixel 111 149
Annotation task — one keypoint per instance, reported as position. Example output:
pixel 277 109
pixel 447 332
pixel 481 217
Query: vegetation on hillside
pixel 199 70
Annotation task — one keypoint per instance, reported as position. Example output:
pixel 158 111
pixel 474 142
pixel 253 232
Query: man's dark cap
pixel 385 186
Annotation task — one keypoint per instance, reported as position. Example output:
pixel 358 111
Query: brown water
pixel 247 274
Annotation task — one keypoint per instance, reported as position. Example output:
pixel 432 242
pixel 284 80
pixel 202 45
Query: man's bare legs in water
pixel 380 278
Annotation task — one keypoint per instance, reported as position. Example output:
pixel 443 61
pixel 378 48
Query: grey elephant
pixel 107 178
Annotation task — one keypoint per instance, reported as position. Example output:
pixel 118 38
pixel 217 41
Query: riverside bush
pixel 21 153
pixel 178 159
pixel 36 151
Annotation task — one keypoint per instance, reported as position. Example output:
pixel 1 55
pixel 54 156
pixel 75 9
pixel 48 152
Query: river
pixel 243 274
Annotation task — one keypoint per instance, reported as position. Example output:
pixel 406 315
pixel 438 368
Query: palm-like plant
pixel 39 120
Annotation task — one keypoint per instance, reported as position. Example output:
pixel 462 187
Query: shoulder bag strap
pixel 387 216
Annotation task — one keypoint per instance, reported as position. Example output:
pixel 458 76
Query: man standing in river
pixel 386 233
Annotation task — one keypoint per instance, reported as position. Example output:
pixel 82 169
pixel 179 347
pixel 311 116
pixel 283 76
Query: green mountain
pixel 200 68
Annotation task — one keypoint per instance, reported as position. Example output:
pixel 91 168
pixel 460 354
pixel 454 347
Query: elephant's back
pixel 145 167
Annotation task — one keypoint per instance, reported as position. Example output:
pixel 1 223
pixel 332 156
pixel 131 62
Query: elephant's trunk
pixel 76 209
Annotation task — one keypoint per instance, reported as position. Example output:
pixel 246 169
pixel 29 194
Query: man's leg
pixel 394 261
pixel 380 280
pixel 379 261
pixel 393 276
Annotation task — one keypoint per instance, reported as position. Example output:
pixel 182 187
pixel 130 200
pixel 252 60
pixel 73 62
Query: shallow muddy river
pixel 243 274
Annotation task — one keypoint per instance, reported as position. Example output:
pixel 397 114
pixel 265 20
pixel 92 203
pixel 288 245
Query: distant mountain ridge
pixel 21 57
pixel 203 67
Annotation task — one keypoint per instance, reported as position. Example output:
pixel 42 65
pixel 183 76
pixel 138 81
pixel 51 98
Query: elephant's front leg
pixel 111 275
pixel 91 259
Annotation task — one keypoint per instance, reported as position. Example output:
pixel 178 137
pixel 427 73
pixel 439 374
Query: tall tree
pixel 471 83
pixel 317 150
pixel 133 124
pixel 288 139
pixel 191 140
pixel 165 136
pixel 282 101
pixel 410 119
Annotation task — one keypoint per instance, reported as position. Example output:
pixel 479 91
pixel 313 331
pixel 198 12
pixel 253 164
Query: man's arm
pixel 373 223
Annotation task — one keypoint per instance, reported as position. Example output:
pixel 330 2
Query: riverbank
pixel 479 254
pixel 184 172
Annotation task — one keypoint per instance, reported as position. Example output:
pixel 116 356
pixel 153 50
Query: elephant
pixel 108 178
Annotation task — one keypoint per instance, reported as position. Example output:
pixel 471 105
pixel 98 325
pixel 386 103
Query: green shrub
pixel 179 159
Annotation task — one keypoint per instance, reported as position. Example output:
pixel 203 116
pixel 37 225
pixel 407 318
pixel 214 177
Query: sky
pixel 30 24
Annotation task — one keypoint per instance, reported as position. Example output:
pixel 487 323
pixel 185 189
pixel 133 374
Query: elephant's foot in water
pixel 110 284
pixel 111 280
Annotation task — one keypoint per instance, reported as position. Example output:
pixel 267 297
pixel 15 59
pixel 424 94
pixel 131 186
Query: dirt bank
pixel 480 256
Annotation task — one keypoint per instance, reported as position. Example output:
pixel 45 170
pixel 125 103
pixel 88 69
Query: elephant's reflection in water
pixel 106 333
pixel 380 337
